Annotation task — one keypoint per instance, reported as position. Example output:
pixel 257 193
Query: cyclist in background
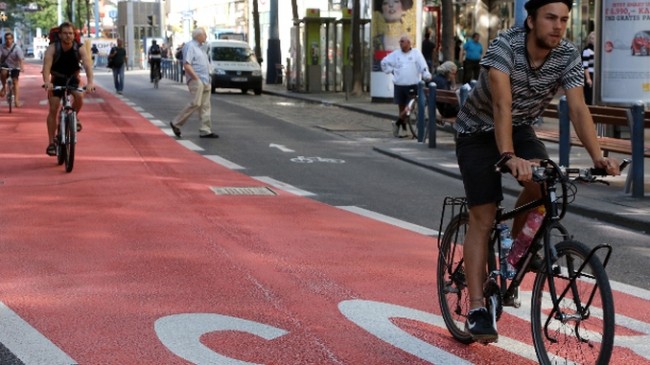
pixel 11 56
pixel 520 74
pixel 154 55
pixel 62 71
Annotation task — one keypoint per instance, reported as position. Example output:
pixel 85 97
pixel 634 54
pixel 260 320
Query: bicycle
pixel 156 73
pixel 11 99
pixel 66 137
pixel 409 115
pixel 570 278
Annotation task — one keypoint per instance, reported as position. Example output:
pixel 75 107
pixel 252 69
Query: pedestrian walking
pixel 117 60
pixel 95 54
pixel 197 69
pixel 472 51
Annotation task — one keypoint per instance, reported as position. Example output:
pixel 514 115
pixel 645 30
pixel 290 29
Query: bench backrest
pixel 602 114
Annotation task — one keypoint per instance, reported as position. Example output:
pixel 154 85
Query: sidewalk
pixel 599 201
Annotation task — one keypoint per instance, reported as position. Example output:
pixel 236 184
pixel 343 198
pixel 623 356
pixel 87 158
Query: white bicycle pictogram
pixel 303 159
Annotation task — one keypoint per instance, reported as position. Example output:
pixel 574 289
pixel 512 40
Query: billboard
pixel 624 52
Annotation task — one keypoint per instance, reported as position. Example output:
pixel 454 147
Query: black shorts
pixel 403 93
pixel 63 81
pixel 14 72
pixel 478 153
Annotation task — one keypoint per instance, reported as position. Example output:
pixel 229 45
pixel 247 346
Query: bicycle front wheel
pixel 581 330
pixel 453 294
pixel 412 119
pixel 71 139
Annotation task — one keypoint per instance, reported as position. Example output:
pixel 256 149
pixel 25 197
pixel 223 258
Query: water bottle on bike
pixel 507 270
pixel 525 237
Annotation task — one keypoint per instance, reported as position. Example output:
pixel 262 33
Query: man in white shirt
pixel 197 71
pixel 408 67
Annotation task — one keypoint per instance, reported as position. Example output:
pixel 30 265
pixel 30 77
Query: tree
pixel 357 76
pixel 256 23
pixel 448 42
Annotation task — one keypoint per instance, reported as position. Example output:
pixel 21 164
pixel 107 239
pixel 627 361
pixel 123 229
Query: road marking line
pixel 158 123
pixel 390 220
pixel 26 343
pixel 223 162
pixel 283 186
pixel 147 115
pixel 188 144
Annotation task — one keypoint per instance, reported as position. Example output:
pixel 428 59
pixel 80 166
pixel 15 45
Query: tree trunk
pixel 357 76
pixel 68 10
pixel 447 36
pixel 88 17
pixel 256 22
pixel 294 11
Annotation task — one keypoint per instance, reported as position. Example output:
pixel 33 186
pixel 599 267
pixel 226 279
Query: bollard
pixel 565 132
pixel 432 115
pixel 637 139
pixel 420 121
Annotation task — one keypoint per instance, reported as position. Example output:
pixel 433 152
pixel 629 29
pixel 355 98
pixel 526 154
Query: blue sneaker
pixel 479 325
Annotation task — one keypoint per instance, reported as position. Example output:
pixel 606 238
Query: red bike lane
pixel 133 259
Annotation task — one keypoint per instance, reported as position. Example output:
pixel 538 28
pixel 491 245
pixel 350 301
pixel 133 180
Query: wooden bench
pixel 449 97
pixel 604 115
pixel 618 117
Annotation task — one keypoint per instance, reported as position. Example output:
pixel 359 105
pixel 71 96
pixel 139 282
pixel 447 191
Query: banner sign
pixel 625 52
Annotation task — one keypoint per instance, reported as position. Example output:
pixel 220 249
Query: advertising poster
pixel 390 20
pixel 625 52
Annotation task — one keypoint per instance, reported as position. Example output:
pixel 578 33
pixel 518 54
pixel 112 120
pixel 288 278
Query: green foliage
pixel 46 17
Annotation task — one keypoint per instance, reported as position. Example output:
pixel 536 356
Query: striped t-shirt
pixel 532 90
pixel 588 56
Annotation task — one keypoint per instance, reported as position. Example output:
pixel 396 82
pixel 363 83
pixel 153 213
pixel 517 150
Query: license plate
pixel 239 79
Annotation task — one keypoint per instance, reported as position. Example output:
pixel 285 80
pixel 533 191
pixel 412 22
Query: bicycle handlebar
pixel 549 169
pixel 72 88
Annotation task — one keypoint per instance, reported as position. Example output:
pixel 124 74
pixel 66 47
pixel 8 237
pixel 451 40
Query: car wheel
pixel 258 91
pixel 244 91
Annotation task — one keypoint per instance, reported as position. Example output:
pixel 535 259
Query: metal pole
pixel 637 137
pixel 130 35
pixel 161 20
pixel 59 11
pixel 273 51
pixel 432 115
pixel 97 25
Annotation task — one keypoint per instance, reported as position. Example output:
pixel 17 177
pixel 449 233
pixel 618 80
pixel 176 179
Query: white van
pixel 234 66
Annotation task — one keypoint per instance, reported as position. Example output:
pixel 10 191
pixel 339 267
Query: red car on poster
pixel 641 43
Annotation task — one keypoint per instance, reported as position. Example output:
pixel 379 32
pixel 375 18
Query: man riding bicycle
pixel 520 74
pixel 11 56
pixel 154 55
pixel 61 68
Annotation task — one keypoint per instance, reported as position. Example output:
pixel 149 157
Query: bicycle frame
pixel 66 108
pixel 541 240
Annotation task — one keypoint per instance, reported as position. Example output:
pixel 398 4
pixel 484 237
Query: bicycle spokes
pixel 576 324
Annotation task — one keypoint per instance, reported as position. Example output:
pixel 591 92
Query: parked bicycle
pixel 572 309
pixel 66 136
pixel 11 98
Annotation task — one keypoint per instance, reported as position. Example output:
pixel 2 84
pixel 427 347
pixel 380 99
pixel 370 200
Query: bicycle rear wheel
pixel 583 330
pixel 71 139
pixel 10 98
pixel 453 294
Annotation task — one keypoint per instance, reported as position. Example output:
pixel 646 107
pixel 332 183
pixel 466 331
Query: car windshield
pixel 236 54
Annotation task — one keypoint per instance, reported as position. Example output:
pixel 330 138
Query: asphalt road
pixel 262 134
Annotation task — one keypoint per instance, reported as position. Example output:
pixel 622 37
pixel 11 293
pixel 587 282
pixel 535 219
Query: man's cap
pixel 533 5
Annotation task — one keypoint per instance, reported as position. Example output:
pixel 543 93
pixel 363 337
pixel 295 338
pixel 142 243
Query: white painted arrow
pixel 281 147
